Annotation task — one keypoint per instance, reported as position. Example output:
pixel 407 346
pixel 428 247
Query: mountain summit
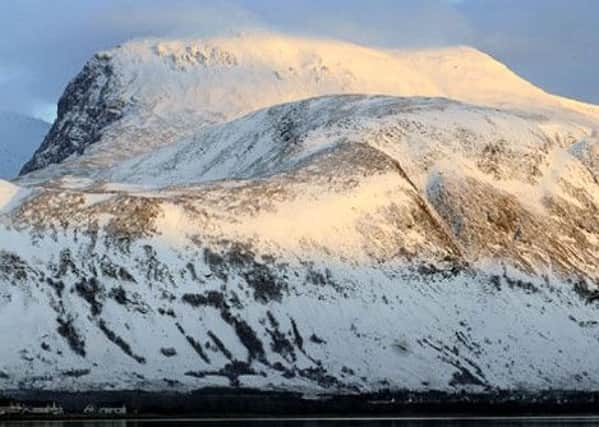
pixel 149 93
pixel 291 214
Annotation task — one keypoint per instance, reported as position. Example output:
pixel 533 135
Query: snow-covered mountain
pixel 349 242
pixel 149 93
pixel 20 136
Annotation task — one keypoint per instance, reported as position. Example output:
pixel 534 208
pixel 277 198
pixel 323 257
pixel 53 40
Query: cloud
pixel 381 22
pixel 47 42
pixel 178 17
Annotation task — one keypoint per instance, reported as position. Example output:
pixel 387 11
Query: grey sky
pixel 43 43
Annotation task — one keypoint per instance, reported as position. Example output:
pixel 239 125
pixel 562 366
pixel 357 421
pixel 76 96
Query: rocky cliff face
pixel 88 106
pixel 346 243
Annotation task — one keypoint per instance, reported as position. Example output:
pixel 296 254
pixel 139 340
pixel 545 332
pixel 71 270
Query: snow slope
pixel 340 243
pixel 20 136
pixel 439 145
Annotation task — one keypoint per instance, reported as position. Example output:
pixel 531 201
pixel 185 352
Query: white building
pixel 90 409
pixel 106 409
pixel 112 410
pixel 50 408
pixel 11 408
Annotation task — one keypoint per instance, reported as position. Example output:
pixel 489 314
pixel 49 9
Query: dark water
pixel 338 422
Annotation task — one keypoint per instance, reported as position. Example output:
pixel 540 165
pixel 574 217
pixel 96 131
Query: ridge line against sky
pixel 552 43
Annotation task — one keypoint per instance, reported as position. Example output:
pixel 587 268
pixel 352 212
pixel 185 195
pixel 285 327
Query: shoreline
pixel 231 404
pixel 154 419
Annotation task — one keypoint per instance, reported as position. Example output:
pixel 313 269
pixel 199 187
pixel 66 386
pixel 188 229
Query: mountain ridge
pixel 152 92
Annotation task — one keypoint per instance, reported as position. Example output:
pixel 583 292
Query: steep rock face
pixel 338 244
pixel 89 104
pixel 150 93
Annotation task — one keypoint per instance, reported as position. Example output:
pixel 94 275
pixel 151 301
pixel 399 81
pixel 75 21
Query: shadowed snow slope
pixel 19 137
pixel 341 243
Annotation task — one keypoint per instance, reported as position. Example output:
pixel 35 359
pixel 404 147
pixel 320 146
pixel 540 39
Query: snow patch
pixel 10 195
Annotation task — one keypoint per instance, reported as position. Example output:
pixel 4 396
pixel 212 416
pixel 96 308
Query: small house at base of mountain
pixel 106 409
